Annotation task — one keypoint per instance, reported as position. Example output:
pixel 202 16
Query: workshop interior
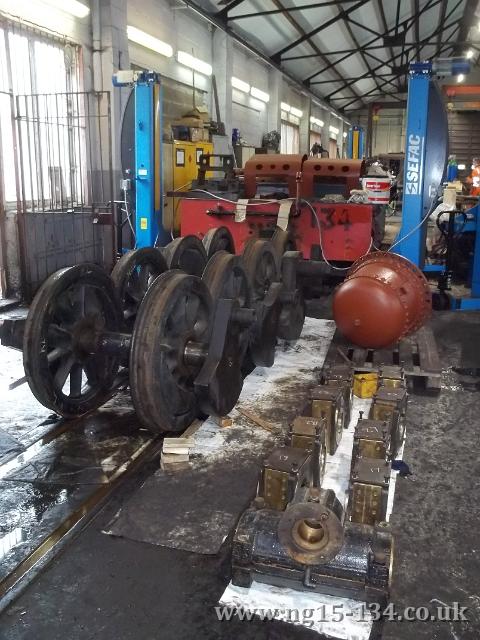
pixel 239 319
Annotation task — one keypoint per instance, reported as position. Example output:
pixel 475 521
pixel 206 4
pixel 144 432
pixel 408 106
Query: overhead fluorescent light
pixel 316 121
pixel 461 167
pixel 240 85
pixel 285 107
pixel 260 95
pixel 333 129
pixel 194 63
pixel 469 54
pixel 148 41
pixel 73 7
pixel 298 113
pixel 460 77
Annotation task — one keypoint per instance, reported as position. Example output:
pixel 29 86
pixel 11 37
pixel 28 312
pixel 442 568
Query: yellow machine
pixel 179 170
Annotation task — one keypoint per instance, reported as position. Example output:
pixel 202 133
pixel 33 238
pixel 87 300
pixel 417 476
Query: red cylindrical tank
pixel 384 297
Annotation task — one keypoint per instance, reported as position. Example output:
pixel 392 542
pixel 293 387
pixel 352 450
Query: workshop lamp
pixel 194 63
pixel 148 41
pixel 460 77
pixel 469 54
pixel 316 121
pixel 260 95
pixel 75 8
pixel 240 85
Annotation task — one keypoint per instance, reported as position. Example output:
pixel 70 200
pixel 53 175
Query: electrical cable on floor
pixel 320 238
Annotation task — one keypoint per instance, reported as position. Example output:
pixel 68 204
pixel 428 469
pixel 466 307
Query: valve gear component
pixel 329 403
pixel 306 548
pixel 312 532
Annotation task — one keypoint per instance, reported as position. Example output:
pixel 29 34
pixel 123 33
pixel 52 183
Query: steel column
pixel 412 246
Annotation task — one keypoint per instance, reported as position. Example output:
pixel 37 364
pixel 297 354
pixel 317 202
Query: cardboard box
pixel 200 113
pixel 196 134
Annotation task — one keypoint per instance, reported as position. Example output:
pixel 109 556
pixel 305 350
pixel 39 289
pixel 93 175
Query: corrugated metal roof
pixel 351 52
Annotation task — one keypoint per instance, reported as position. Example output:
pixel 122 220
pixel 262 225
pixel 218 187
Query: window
pixel 290 138
pixel 38 80
pixel 332 148
pixel 315 138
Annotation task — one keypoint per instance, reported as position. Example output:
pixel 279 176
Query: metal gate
pixel 65 210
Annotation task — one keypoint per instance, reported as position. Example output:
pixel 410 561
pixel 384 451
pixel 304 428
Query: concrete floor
pixel 113 588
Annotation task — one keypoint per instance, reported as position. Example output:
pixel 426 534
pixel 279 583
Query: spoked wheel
pixel 187 254
pixel 282 241
pixel 64 369
pixel 292 318
pixel 226 278
pixel 261 267
pixel 219 239
pixel 132 276
pixel 168 347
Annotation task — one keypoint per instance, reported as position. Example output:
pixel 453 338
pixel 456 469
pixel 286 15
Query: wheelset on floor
pixel 185 339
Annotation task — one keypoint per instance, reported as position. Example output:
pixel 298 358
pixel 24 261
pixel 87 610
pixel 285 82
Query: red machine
pixel 336 231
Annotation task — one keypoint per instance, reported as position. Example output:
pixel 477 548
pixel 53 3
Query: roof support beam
pixel 319 53
pixel 221 24
pixel 362 53
pixel 406 25
pixel 444 48
pixel 466 22
pixel 383 19
pixel 278 56
pixel 231 5
pixel 271 12
pixel 405 51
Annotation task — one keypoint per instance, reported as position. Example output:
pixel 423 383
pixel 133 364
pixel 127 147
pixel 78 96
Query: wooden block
pixel 176 450
pixel 174 457
pixel 192 429
pixel 223 421
pixel 170 461
pixel 253 417
pixel 178 442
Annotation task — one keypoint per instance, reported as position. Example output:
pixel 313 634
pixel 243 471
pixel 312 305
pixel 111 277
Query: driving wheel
pixel 168 349
pixel 218 239
pixel 132 276
pixel 63 364
pixel 261 267
pixel 187 254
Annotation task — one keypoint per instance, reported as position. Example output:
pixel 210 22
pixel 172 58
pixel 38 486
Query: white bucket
pixel 378 190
